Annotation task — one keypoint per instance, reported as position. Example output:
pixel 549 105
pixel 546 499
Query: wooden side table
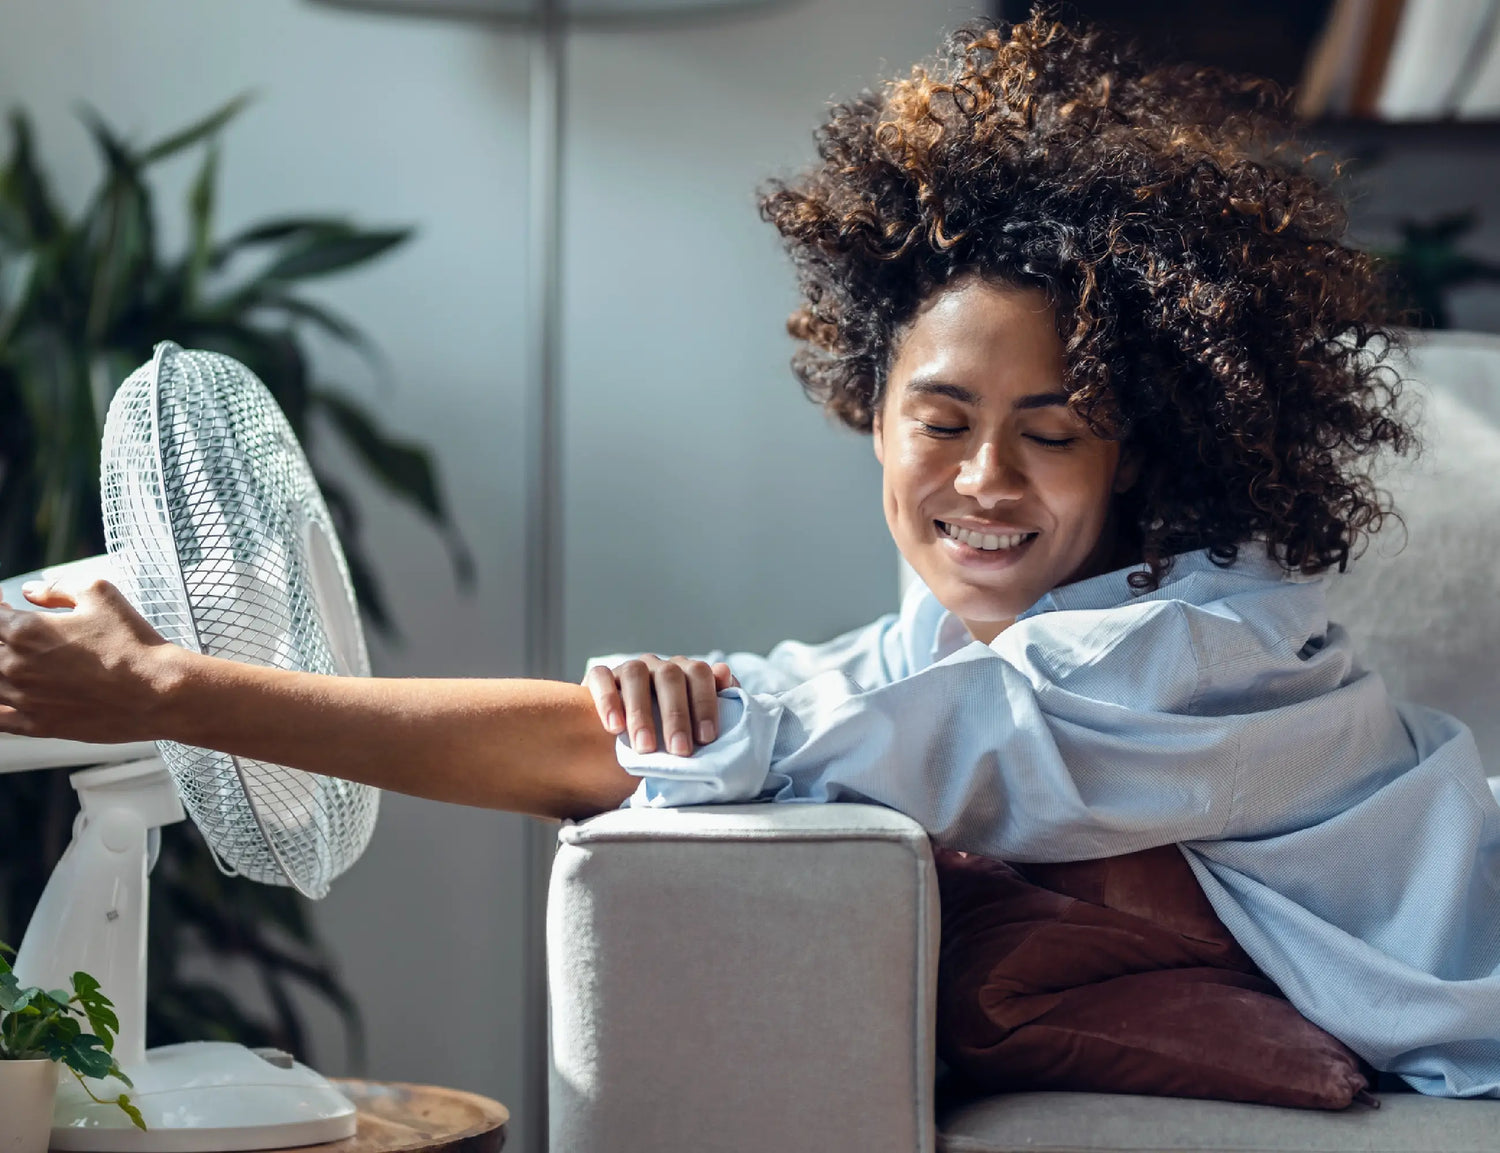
pixel 397 1118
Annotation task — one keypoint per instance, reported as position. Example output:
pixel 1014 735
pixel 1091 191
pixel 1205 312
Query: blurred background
pixel 704 502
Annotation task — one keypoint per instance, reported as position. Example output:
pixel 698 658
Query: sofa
pixel 761 977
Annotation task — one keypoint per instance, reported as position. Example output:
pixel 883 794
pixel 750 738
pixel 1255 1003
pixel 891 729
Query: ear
pixel 877 429
pixel 1128 471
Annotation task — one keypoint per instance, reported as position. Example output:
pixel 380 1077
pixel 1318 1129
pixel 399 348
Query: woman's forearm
pixel 530 746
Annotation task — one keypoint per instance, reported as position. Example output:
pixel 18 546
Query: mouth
pixel 993 543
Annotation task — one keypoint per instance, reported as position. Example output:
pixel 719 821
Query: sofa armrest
pixel 742 977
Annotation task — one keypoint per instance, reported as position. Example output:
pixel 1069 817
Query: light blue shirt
pixel 1351 843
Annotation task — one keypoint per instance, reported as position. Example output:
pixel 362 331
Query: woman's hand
pixel 687 694
pixel 98 673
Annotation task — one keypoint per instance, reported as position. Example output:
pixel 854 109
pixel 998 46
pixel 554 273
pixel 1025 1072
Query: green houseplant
pixel 40 1030
pixel 1429 264
pixel 83 301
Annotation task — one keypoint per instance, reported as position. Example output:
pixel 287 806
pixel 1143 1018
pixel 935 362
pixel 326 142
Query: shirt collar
pixel 950 636
pixel 1111 589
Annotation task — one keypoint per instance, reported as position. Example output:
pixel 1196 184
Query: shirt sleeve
pixel 1073 737
pixel 869 656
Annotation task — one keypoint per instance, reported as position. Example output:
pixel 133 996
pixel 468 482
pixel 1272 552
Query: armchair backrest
pixel 1423 602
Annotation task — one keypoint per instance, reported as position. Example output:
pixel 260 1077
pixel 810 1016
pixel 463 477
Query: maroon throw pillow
pixel 1116 976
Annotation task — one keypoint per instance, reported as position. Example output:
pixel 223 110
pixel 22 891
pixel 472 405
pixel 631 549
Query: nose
pixel 988 477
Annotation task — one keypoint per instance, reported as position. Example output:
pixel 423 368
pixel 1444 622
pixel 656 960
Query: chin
pixel 973 603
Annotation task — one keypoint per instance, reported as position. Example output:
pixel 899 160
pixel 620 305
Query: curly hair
pixel 1209 313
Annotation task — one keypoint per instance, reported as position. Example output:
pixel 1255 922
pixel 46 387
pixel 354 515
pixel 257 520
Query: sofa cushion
pixel 1077 1122
pixel 1047 989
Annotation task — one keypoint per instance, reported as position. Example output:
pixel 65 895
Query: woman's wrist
pixel 172 674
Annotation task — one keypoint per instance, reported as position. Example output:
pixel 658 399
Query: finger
pixel 723 678
pixel 635 690
pixel 606 693
pixel 49 595
pixel 672 702
pixel 703 698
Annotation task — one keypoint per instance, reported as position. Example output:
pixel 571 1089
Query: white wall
pixel 707 502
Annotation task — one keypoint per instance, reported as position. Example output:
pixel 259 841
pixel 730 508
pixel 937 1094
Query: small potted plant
pixel 40 1030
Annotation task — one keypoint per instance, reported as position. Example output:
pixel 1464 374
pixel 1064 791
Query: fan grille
pixel 222 541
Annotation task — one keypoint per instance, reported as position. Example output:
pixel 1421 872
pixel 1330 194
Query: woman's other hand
pixel 97 673
pixel 687 695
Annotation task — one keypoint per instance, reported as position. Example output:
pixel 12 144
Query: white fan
pixel 218 535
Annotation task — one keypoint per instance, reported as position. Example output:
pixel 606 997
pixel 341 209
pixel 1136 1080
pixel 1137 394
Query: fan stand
pixel 198 1097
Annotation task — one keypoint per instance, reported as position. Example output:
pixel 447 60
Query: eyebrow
pixel 967 396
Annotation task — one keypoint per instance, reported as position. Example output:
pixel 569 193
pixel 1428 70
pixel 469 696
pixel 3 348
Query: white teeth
pixel 989 542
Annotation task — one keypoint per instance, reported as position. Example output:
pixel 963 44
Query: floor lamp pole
pixel 544 508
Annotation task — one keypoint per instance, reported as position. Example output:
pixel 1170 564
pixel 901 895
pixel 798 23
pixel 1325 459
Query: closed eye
pixel 1063 442
pixel 940 429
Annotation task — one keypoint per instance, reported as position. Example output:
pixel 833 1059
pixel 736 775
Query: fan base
pixel 203 1097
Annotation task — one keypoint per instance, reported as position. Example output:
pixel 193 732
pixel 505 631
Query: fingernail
pixel 643 741
pixel 681 746
pixel 613 721
pixel 705 732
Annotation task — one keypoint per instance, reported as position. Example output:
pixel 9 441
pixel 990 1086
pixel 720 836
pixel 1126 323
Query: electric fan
pixel 218 535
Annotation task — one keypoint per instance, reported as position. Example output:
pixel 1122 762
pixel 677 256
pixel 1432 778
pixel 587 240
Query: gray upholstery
pixel 759 978
pixel 1043 1122
pixel 742 977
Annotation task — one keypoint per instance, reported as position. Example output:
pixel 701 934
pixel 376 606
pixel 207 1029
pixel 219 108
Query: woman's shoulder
pixel 1162 648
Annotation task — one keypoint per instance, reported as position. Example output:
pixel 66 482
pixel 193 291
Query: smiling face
pixel 994 491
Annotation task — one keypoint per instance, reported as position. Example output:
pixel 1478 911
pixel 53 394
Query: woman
pixel 1114 361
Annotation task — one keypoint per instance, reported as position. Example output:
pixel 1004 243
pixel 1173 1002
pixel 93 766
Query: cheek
pixel 912 472
pixel 1084 488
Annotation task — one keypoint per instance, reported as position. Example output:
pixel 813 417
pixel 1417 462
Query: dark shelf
pixel 1406 133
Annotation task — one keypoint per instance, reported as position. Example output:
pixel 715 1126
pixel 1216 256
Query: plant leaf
pixel 131 1111
pixel 405 469
pixel 187 137
pixel 62 1031
pixel 16 275
pixel 98 1008
pixel 118 230
pixel 367 591
pixel 24 186
pixel 319 315
pixel 84 1053
pixel 200 225
pixel 272 297
pixel 12 997
pixel 324 253
pixel 275 232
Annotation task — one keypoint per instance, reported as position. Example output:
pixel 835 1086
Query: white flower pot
pixel 26 1092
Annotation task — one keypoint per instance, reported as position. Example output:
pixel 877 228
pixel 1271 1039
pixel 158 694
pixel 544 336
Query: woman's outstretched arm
pixel 101 673
pixel 530 746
